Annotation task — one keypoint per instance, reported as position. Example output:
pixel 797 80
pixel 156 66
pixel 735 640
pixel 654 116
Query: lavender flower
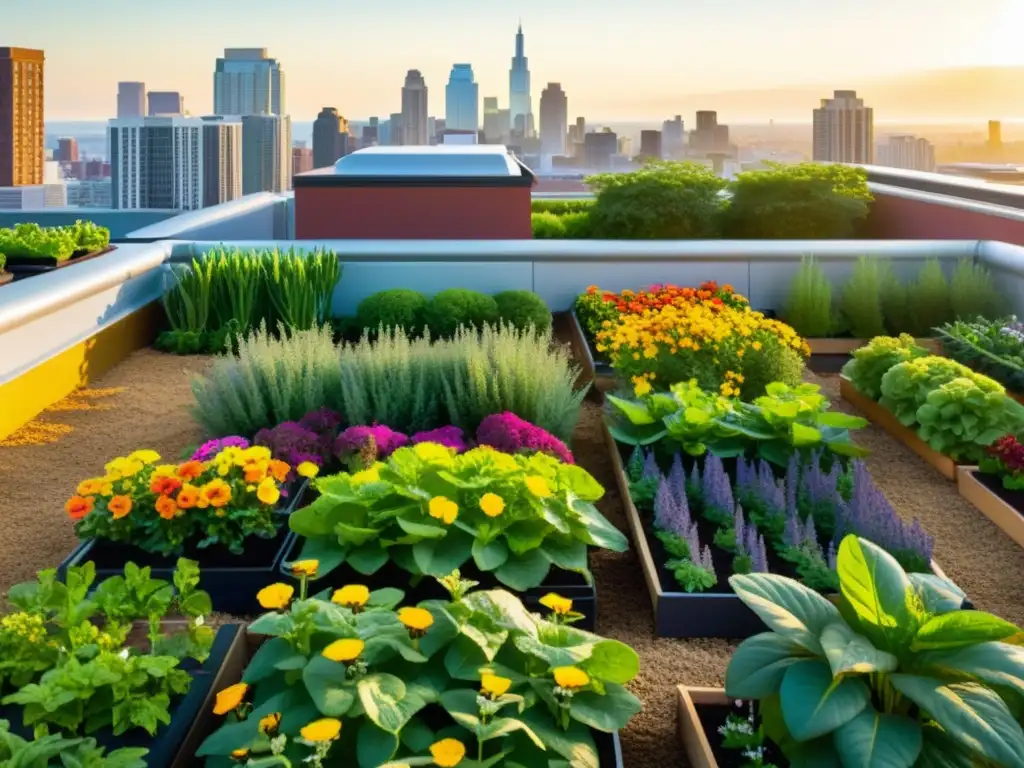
pixel 651 470
pixel 705 561
pixel 818 487
pixel 793 532
pixel 671 511
pixel 450 437
pixel 716 492
pixel 792 483
pixel 677 477
pixel 739 526
pixel 751 546
pixel 635 466
pixel 699 556
pixel 211 448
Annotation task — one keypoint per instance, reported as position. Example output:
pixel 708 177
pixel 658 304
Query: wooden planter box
pixel 995 508
pixel 600 373
pixel 829 346
pixel 691 732
pixel 884 418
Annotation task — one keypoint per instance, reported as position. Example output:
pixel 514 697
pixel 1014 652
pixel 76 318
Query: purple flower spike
pixel 715 488
pixel 739 526
pixel 758 555
pixel 677 477
pixel 651 470
pixel 794 533
pixel 706 562
pixel 671 512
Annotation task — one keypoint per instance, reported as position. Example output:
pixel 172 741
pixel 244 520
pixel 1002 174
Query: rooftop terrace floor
pixel 144 402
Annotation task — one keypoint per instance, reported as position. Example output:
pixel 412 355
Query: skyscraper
pixel 650 145
pixel 156 162
pixel 844 130
pixel 247 82
pixel 222 160
pixel 554 120
pixel 302 161
pixel 21 117
pixel 519 100
pixel 906 151
pixel 494 131
pixel 414 110
pixel 462 100
pixel 131 99
pixel 165 103
pixel 330 137
pixel 710 136
pixel 266 153
pixel 67 151
pixel 673 133
pixel 598 148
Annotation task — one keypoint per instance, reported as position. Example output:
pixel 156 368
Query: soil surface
pixel 151 412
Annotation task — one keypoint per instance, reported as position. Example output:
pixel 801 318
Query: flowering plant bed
pixel 992 347
pixel 472 680
pixel 1003 507
pixel 595 369
pixel 703 714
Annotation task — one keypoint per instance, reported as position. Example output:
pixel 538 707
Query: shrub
pixel 562 206
pixel 547 226
pixel 455 307
pixel 770 363
pixel 861 304
pixel 928 300
pixel 973 292
pixel 577 225
pixel 664 200
pixel 809 305
pixel 797 202
pixel 393 308
pixel 895 308
pixel 871 362
pixel 523 309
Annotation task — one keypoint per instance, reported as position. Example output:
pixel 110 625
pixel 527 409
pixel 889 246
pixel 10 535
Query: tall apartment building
pixel 554 120
pixel 462 100
pixel 577 137
pixel 266 153
pixel 67 151
pixel 673 137
pixel 598 148
pixel 844 130
pixel 222 159
pixel 302 161
pixel 131 99
pixel 157 162
pixel 414 110
pixel 906 151
pixel 709 136
pixel 330 137
pixel 22 140
pixel 165 103
pixel 494 131
pixel 246 81
pixel 650 145
pixel 370 135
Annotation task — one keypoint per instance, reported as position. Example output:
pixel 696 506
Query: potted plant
pixel 32 249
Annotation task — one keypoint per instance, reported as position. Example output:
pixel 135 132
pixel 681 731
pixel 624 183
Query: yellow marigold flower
pixel 253 455
pixel 641 386
pixel 240 755
pixel 268 492
pixel 538 486
pixel 570 677
pixel 230 698
pixel 270 723
pixel 216 494
pixel 351 596
pixel 492 504
pixel 90 487
pixel 305 567
pixel 165 470
pixel 276 596
pixel 145 456
pixel 307 469
pixel 444 509
pixel 325 729
pixel 557 603
pixel 346 649
pixel 120 506
pixel 368 475
pixel 447 753
pixel 494 685
pixel 419 619
pixel 433 453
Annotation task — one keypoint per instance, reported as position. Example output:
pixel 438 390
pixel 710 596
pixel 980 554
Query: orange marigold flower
pixel 78 507
pixel 188 497
pixel 161 484
pixel 216 493
pixel 255 472
pixel 120 506
pixel 166 508
pixel 279 470
pixel 190 470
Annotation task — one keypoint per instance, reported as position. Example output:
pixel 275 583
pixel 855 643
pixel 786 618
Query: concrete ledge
pixel 263 215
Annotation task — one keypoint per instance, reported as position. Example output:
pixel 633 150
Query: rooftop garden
pixel 426 529
pixel 28 249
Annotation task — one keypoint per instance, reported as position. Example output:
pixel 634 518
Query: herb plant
pixel 744 735
pixel 929 300
pixel 992 347
pixel 809 305
pixel 973 291
pixel 861 303
pixel 29 240
pixel 893 674
pixel 16 752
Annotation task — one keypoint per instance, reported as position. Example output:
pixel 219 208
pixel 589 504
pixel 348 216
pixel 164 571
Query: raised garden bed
pixel 884 418
pixel 27 266
pixel 174 745
pixel 1003 507
pixel 839 346
pixel 701 712
pixel 597 371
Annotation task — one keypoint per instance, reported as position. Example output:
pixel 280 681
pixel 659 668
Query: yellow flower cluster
pixel 731 386
pixel 28 626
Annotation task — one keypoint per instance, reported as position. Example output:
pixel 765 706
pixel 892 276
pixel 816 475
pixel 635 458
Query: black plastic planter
pixel 592 367
pixel 173 744
pixel 565 583
pixel 22 266
pixel 609 749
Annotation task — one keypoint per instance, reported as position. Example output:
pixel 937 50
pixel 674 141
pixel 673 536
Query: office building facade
pixel 22 150
pixel 462 100
pixel 266 153
pixel 246 81
pixel 414 129
pixel 131 99
pixel 157 162
pixel 554 120
pixel 165 103
pixel 844 130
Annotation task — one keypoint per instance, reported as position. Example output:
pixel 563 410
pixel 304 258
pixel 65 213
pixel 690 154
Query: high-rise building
pixel 330 137
pixel 554 120
pixel 844 130
pixel 21 117
pixel 302 160
pixel 905 151
pixel 577 137
pixel 650 145
pixel 598 148
pixel 414 110
pixel 165 103
pixel 131 99
pixel 370 136
pixel 494 131
pixel 462 100
pixel 710 136
pixel 520 103
pixel 266 153
pixel 995 139
pixel 67 150
pixel 157 162
pixel 673 137
pixel 247 81
pixel 222 159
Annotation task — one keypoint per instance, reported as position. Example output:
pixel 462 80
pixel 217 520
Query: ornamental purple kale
pixel 508 433
pixel 211 448
pixel 450 437
pixel 291 443
pixel 378 439
pixel 326 423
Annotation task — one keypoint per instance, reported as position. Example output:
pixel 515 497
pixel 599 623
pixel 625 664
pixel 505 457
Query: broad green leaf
pixel 504 609
pixel 802 435
pixel 328 686
pixel 523 572
pixel 576 744
pixel 579 482
pixel 637 413
pixel 386 597
pixel 873 740
pixel 813 705
pixel 939 750
pixel 939 595
pixel 326 551
pixel 461 705
pixel 851 654
pixel 264 661
pixel 600 532
pixel 491 555
pixel 417 736
pixel 998 664
pixel 612 661
pixel 758 665
pixel 608 713
pixel 878 590
pixel 570 556
pixel 960 628
pixel 439 557
pixel 503 726
pixel 970 713
pixel 272 623
pixel 464 659
pixel 818 753
pixel 374 746
pixel 423 530
pixel 787 607
pixel 368 558
pixel 386 701
pixel 354 536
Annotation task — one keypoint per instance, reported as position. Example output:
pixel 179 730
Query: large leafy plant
pixel 993 347
pixel 16 752
pixel 872 361
pixel 783 421
pixel 430 511
pixel 892 674
pixel 353 680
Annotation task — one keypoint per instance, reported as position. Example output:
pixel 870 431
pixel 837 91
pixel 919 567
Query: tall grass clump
pixel 973 292
pixel 928 299
pixel 186 300
pixel 861 302
pixel 809 305
pixel 301 286
pixel 894 301
pixel 270 379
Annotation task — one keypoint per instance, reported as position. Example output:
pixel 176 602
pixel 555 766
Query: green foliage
pixel 577 225
pixel 593 311
pixel 16 752
pixel 893 675
pixel 973 292
pixel 562 206
pixel 928 300
pixel 871 362
pixel 762 367
pixel 786 420
pixel 523 309
pixel 429 512
pixel 809 304
pixel 393 308
pixel 454 307
pixel 405 686
pixel 861 303
pixel 957 411
pixel 408 384
pixel 662 201
pixel 31 241
pixel 992 347
pixel 547 226
pixel 3 262
pixel 797 202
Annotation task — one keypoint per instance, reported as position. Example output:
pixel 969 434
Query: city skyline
pixel 630 77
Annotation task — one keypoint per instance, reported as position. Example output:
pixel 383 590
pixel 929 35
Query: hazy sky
pixel 614 59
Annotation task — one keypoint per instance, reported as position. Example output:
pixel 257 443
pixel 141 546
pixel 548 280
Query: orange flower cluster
pixel 657 296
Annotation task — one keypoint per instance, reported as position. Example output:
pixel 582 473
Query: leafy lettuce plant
pixel 16 752
pixel 348 679
pixel 871 362
pixel 891 674
pixel 429 511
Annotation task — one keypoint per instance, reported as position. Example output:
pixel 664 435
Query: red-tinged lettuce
pixel 1005 459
